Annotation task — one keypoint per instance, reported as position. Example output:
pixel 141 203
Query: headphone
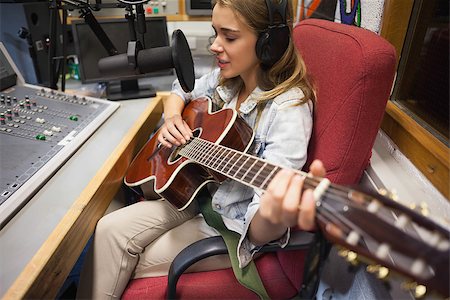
pixel 273 41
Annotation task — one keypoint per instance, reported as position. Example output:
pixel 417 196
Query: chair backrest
pixel 353 70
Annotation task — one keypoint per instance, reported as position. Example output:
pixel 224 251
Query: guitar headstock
pixel 376 229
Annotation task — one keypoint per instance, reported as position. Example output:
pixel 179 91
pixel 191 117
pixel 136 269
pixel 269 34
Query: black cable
pixel 52 45
pixel 64 50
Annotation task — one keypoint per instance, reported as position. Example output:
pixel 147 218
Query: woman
pixel 273 95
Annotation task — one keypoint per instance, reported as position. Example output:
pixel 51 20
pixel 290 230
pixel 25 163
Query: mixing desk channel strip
pixel 40 129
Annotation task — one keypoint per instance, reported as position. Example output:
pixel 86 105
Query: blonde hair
pixel 290 70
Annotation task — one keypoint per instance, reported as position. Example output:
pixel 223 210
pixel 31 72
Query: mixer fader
pixel 39 130
pixel 35 116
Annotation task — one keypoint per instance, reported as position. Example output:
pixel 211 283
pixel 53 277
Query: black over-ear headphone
pixel 273 41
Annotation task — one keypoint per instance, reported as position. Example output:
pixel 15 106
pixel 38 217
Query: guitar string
pixel 196 152
pixel 206 159
pixel 337 195
pixel 199 156
pixel 207 163
pixel 202 147
pixel 325 212
pixel 382 258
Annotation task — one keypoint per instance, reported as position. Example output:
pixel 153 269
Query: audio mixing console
pixel 40 129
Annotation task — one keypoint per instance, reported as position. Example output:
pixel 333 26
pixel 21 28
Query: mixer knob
pixel 40 120
pixel 47 132
pixel 41 137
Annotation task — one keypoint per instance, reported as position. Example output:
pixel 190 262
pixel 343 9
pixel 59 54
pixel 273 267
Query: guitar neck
pixel 239 166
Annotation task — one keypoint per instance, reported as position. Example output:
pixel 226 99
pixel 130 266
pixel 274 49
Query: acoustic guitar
pixel 347 216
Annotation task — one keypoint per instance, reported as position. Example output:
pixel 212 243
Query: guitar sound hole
pixel 175 155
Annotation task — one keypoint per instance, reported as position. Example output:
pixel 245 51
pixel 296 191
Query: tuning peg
pixel 380 271
pixel 349 256
pixel 352 257
pixel 418 290
pixel 423 207
pixel 394 195
pixel 390 194
pixel 382 191
pixel 343 252
pixel 374 206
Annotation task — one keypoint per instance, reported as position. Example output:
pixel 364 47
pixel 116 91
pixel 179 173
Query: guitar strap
pixel 247 276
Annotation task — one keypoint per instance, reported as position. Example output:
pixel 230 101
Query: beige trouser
pixel 141 240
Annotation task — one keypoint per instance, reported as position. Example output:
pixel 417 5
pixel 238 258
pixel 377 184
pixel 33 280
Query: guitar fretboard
pixel 236 165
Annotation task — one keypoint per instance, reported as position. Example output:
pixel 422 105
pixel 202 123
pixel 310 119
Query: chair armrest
pixel 215 245
pixel 191 254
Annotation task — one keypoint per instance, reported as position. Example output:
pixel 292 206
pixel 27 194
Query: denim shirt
pixel 281 138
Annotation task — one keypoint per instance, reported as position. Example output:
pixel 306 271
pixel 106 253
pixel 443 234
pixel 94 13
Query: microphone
pixel 141 61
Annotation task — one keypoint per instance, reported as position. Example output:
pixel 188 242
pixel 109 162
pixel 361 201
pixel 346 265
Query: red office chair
pixel 353 71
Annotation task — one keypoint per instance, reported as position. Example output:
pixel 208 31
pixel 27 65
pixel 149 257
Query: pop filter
pixel 137 61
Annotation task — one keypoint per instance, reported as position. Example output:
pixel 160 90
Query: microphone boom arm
pixel 98 31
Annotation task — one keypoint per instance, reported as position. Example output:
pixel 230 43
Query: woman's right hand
pixel 174 131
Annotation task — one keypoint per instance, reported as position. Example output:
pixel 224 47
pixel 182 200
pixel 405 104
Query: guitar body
pixel 158 172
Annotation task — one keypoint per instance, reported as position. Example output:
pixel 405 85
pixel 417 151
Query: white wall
pixel 390 169
pixel 197 34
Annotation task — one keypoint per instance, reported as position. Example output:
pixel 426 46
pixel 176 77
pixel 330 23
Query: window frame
pixel 418 144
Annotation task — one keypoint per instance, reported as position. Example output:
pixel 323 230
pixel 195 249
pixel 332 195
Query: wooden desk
pixel 43 241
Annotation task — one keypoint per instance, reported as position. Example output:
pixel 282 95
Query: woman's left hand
pixel 283 202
